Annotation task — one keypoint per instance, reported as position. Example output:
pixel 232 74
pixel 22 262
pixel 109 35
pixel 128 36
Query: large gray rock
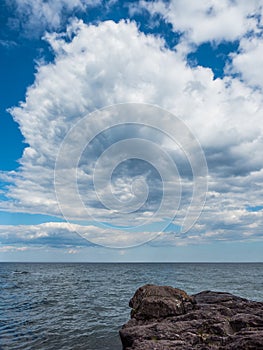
pixel 159 301
pixel 167 318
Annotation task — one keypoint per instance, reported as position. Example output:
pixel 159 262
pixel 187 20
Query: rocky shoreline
pixel 164 317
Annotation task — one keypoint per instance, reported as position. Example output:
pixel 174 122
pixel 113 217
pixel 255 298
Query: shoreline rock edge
pixel 163 317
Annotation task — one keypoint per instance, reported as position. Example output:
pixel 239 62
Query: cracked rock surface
pixel 164 317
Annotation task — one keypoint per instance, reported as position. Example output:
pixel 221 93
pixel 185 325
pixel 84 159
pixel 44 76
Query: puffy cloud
pixel 89 73
pixel 52 234
pixel 61 235
pixel 248 61
pixel 63 92
pixel 210 20
pixel 73 237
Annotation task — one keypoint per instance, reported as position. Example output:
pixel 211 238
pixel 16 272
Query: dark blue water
pixel 82 306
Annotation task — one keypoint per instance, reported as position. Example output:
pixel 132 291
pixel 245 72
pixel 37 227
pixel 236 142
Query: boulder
pixel 164 317
pixel 159 301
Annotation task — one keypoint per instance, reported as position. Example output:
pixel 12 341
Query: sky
pixel 131 130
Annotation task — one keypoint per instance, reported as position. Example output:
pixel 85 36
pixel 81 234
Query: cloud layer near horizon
pixel 224 114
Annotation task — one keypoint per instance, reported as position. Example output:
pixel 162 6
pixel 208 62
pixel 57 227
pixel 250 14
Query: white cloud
pixel 210 20
pixel 65 91
pixel 72 251
pixel 9 44
pixel 62 234
pixel 90 72
pixel 248 61
pixel 73 237
pixel 12 248
pixel 37 16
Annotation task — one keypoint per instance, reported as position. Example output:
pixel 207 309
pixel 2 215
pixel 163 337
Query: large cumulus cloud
pixel 108 63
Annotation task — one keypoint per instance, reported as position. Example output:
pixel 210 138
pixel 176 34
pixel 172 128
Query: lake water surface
pixel 83 305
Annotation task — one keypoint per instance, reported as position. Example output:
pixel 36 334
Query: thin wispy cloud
pixel 36 17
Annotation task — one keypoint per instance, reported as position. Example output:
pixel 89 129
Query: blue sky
pixel 79 178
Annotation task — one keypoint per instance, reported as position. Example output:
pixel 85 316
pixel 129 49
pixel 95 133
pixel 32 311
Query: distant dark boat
pixel 21 272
